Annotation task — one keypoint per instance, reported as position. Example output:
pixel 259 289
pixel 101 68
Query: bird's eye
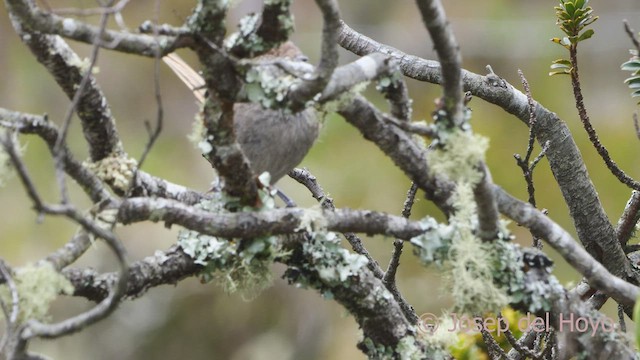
pixel 302 58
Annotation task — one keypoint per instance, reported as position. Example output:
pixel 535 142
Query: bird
pixel 272 140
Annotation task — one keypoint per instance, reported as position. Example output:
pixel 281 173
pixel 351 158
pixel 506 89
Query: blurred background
pixel 196 321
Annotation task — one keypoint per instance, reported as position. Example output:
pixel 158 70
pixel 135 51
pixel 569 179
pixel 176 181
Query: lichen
pixel 334 264
pixel 457 155
pixel 409 349
pixel 433 244
pixel 37 287
pixel 469 271
pixel 117 170
pixel 312 220
pixel 439 340
pixel 247 36
pixel 328 266
pixel 376 351
pixel 343 99
pixel 237 265
pixel 268 87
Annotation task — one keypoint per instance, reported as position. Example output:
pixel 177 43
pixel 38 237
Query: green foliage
pixel 633 65
pixel 572 17
pixel 561 67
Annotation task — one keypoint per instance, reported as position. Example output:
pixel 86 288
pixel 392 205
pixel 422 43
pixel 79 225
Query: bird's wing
pixel 190 77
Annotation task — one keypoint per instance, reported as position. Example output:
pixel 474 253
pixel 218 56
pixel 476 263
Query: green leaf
pixel 632 80
pixel 635 94
pixel 569 8
pixel 586 35
pixel 631 65
pixel 561 72
pixel 580 4
pixel 562 61
pixel 591 21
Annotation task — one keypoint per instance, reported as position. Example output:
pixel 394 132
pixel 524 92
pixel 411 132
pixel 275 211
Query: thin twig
pixel 591 132
pixel 328 55
pixel 493 348
pixel 105 10
pixel 632 35
pixel 517 345
pixel 34 328
pixel 104 308
pixel 9 147
pixel 62 135
pixel 446 45
pixel 10 317
pixel 70 252
pixel 13 290
pixel 154 133
pixel 390 275
pixel 628 220
pixel 304 177
pixel 623 324
pixel 526 165
pixel 389 278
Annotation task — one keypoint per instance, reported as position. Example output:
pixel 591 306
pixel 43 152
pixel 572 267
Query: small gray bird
pixel 272 140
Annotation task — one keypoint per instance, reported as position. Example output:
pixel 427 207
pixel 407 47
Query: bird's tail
pixel 190 77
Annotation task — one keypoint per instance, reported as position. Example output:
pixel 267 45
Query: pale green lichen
pixel 411 348
pixel 312 220
pixel 441 339
pixel 236 265
pixel 433 244
pixel 469 271
pixel 198 134
pixel 117 170
pixel 344 99
pixel 247 36
pixel 377 351
pixel 37 287
pixel 458 155
pixel 333 263
pixel 327 264
pixel 268 87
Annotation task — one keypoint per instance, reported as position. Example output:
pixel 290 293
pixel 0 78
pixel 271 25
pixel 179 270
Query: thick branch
pixel 542 226
pixel 36 20
pixel 68 71
pixel 592 224
pixel 255 224
pixel 399 146
pixel 162 268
